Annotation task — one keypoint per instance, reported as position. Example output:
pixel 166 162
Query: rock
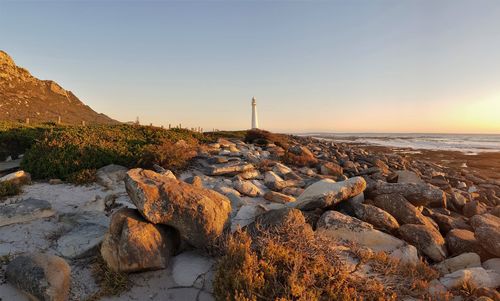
pixel 41 276
pixel 195 181
pixel 486 294
pixel 447 222
pixel 281 169
pixel 492 264
pixel 458 198
pixel 379 218
pixel 18 178
pixel 273 181
pixel 427 240
pixel 55 181
pixel 326 193
pixel 81 241
pixel 110 176
pixel 247 188
pixel 273 219
pixel 293 191
pixel 229 169
pixel 402 210
pixel 246 215
pixel 25 211
pixel 132 244
pixel 477 277
pixel 462 261
pixel 337 226
pixel 473 208
pixel 277 197
pixel 331 169
pixel 461 241
pixel 200 215
pixel 249 174
pixel 417 194
pixel 487 231
pixel 226 190
pixel 406 176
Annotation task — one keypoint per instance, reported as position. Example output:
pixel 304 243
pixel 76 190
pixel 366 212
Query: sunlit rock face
pixel 24 96
pixel 200 215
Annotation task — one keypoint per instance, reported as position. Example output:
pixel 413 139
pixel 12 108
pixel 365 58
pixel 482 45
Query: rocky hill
pixel 25 96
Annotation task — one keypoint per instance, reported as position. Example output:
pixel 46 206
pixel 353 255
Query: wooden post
pixel 58 119
pixel 83 122
pixel 27 121
pixel 169 126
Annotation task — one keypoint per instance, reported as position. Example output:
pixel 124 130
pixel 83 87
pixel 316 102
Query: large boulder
pixel 132 244
pixel 427 240
pixel 331 169
pixel 406 176
pixel 462 261
pixel 397 206
pixel 25 211
pixel 473 208
pixel 415 193
pixel 326 193
pixel 200 215
pixel 43 277
pixel 111 176
pixel 81 241
pixel 461 241
pixel 340 227
pixel 273 181
pixel 487 231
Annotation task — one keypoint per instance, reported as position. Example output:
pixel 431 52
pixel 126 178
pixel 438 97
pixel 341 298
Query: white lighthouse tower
pixel 255 120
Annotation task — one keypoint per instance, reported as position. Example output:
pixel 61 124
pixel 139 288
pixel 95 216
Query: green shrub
pixel 261 137
pixel 9 189
pixel 63 151
pixel 82 177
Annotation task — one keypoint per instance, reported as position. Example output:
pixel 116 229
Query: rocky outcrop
pixel 200 215
pixel 41 276
pixel 110 176
pixel 24 96
pixel 461 241
pixel 132 244
pixel 462 261
pixel 475 277
pixel 326 193
pixel 400 208
pixel 379 218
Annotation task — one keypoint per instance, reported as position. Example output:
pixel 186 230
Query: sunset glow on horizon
pixel 316 66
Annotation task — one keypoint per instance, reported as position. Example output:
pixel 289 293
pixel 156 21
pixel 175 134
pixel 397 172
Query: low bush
pixel 169 155
pixel 8 189
pixel 261 137
pixel 70 152
pixel 110 283
pixel 82 177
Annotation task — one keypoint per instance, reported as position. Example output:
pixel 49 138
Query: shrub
pixel 82 177
pixel 169 155
pixel 110 283
pixel 65 150
pixel 9 189
pixel 261 137
pixel 302 160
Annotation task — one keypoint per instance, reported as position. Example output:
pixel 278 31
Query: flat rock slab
pixel 6 166
pixel 192 269
pixel 25 211
pixel 81 241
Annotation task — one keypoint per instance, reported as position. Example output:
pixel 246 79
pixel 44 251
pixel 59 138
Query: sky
pixel 314 66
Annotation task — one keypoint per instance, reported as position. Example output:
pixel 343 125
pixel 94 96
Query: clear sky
pixel 336 66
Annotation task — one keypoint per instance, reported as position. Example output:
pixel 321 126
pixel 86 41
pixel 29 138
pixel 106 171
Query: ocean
pixel 466 143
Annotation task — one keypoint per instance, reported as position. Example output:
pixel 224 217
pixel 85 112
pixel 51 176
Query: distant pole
pixel 58 119
pixel 137 120
pixel 27 121
pixel 169 126
pixel 83 122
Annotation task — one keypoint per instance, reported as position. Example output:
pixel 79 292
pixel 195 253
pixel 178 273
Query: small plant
pixel 261 137
pixel 110 283
pixel 169 155
pixel 8 189
pixel 83 177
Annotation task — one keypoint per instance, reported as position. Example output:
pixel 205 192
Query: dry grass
pixel 169 155
pixel 83 177
pixel 261 137
pixel 298 160
pixel 110 283
pixel 8 189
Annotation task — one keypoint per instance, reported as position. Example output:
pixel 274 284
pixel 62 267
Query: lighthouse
pixel 255 120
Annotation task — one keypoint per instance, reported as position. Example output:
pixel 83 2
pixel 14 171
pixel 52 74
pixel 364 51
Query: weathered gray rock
pixel 110 176
pixel 81 241
pixel 132 244
pixel 492 264
pixel 326 193
pixel 379 218
pixel 17 177
pixel 337 226
pixel 462 261
pixel 447 223
pixel 487 231
pixel 417 194
pixel 331 169
pixel 273 181
pixel 247 188
pixel 41 276
pixel 281 169
pixel 277 197
pixel 249 174
pixel 200 215
pixel 225 190
pixel 473 208
pixel 477 277
pixel 25 211
pixel 402 210
pixel 427 240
